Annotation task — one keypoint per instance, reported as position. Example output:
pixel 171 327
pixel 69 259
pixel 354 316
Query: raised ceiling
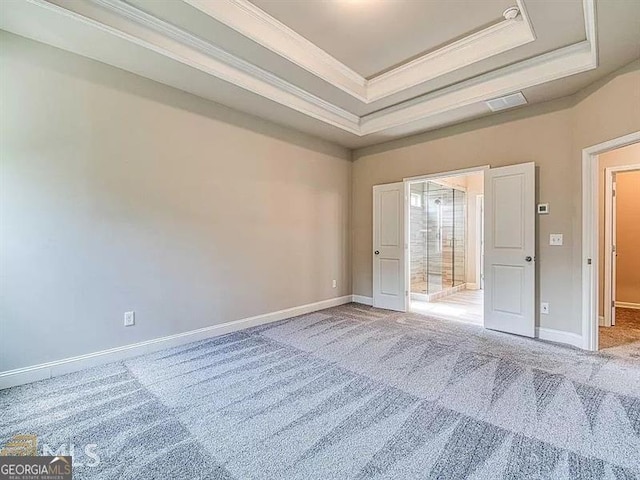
pixel 376 35
pixel 357 72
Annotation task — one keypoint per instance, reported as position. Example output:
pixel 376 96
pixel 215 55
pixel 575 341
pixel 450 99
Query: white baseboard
pixel 20 376
pixel 362 299
pixel 635 306
pixel 472 286
pixel 548 334
pixel 601 321
pixel 559 336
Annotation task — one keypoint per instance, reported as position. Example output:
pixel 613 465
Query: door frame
pixel 479 241
pixel 609 225
pixel 590 213
pixel 408 181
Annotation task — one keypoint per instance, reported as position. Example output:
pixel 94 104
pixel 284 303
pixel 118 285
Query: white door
pixel 509 282
pixel 388 247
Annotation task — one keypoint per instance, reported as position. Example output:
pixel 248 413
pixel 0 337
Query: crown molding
pixel 493 40
pixel 131 24
pixel 554 65
pixel 142 29
pixel 254 23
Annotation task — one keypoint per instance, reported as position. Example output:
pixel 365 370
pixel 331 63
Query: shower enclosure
pixel 438 234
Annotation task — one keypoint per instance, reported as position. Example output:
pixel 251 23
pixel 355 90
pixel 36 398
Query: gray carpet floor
pixel 348 392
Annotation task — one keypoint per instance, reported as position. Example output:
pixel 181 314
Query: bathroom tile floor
pixel 464 306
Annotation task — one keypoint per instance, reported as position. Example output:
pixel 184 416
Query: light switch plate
pixel 544 308
pixel 129 319
pixel 555 239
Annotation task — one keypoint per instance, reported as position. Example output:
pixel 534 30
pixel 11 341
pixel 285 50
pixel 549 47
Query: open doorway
pixel 619 256
pixel 509 248
pixel 446 223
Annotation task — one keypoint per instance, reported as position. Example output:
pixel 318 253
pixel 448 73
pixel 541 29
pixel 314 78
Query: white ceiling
pixel 385 42
pixel 371 36
pixel 316 66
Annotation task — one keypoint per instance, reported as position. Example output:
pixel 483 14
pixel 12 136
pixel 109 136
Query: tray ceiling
pixel 339 68
pixel 373 36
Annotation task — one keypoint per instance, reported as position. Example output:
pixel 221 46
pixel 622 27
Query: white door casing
pixel 509 259
pixel 610 240
pixel 480 230
pixel 389 289
pixel 614 250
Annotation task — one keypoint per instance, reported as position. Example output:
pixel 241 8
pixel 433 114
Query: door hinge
pixel 613 304
pixel 588 261
pixel 613 248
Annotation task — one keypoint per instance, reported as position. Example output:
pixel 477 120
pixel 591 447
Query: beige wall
pixel 552 135
pixel 118 193
pixel 628 237
pixel 629 155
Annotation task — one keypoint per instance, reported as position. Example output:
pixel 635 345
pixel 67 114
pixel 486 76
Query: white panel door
pixel 509 259
pixel 388 247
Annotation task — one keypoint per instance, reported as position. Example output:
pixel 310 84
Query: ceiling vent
pixel 508 101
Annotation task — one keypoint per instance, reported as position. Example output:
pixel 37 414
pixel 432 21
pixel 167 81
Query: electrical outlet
pixel 334 284
pixel 555 239
pixel 544 308
pixel 129 319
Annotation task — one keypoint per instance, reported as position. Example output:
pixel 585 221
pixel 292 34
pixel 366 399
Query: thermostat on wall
pixel 543 208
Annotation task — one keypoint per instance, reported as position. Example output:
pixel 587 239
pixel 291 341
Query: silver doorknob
pixel 528 259
pixel 377 252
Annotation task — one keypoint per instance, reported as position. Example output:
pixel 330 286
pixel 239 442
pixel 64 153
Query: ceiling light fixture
pixel 511 13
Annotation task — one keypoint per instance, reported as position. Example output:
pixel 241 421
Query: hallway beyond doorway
pixel 625 332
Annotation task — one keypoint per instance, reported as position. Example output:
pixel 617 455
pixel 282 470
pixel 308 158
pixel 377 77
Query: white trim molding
pixel 554 65
pixel 74 25
pixel 21 376
pixel 590 211
pixel 362 300
pixel 559 336
pixel 609 227
pixel 493 40
pixel 252 22
pixel 631 305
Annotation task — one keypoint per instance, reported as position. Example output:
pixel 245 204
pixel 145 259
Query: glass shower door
pixel 438 237
pixel 459 236
pixel 436 225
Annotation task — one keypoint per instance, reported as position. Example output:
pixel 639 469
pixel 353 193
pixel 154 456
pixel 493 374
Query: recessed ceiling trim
pixel 147 31
pixel 254 23
pixel 493 40
pixel 242 73
pixel 125 22
pixel 554 65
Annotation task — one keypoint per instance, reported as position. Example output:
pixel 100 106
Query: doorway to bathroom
pixel 446 251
